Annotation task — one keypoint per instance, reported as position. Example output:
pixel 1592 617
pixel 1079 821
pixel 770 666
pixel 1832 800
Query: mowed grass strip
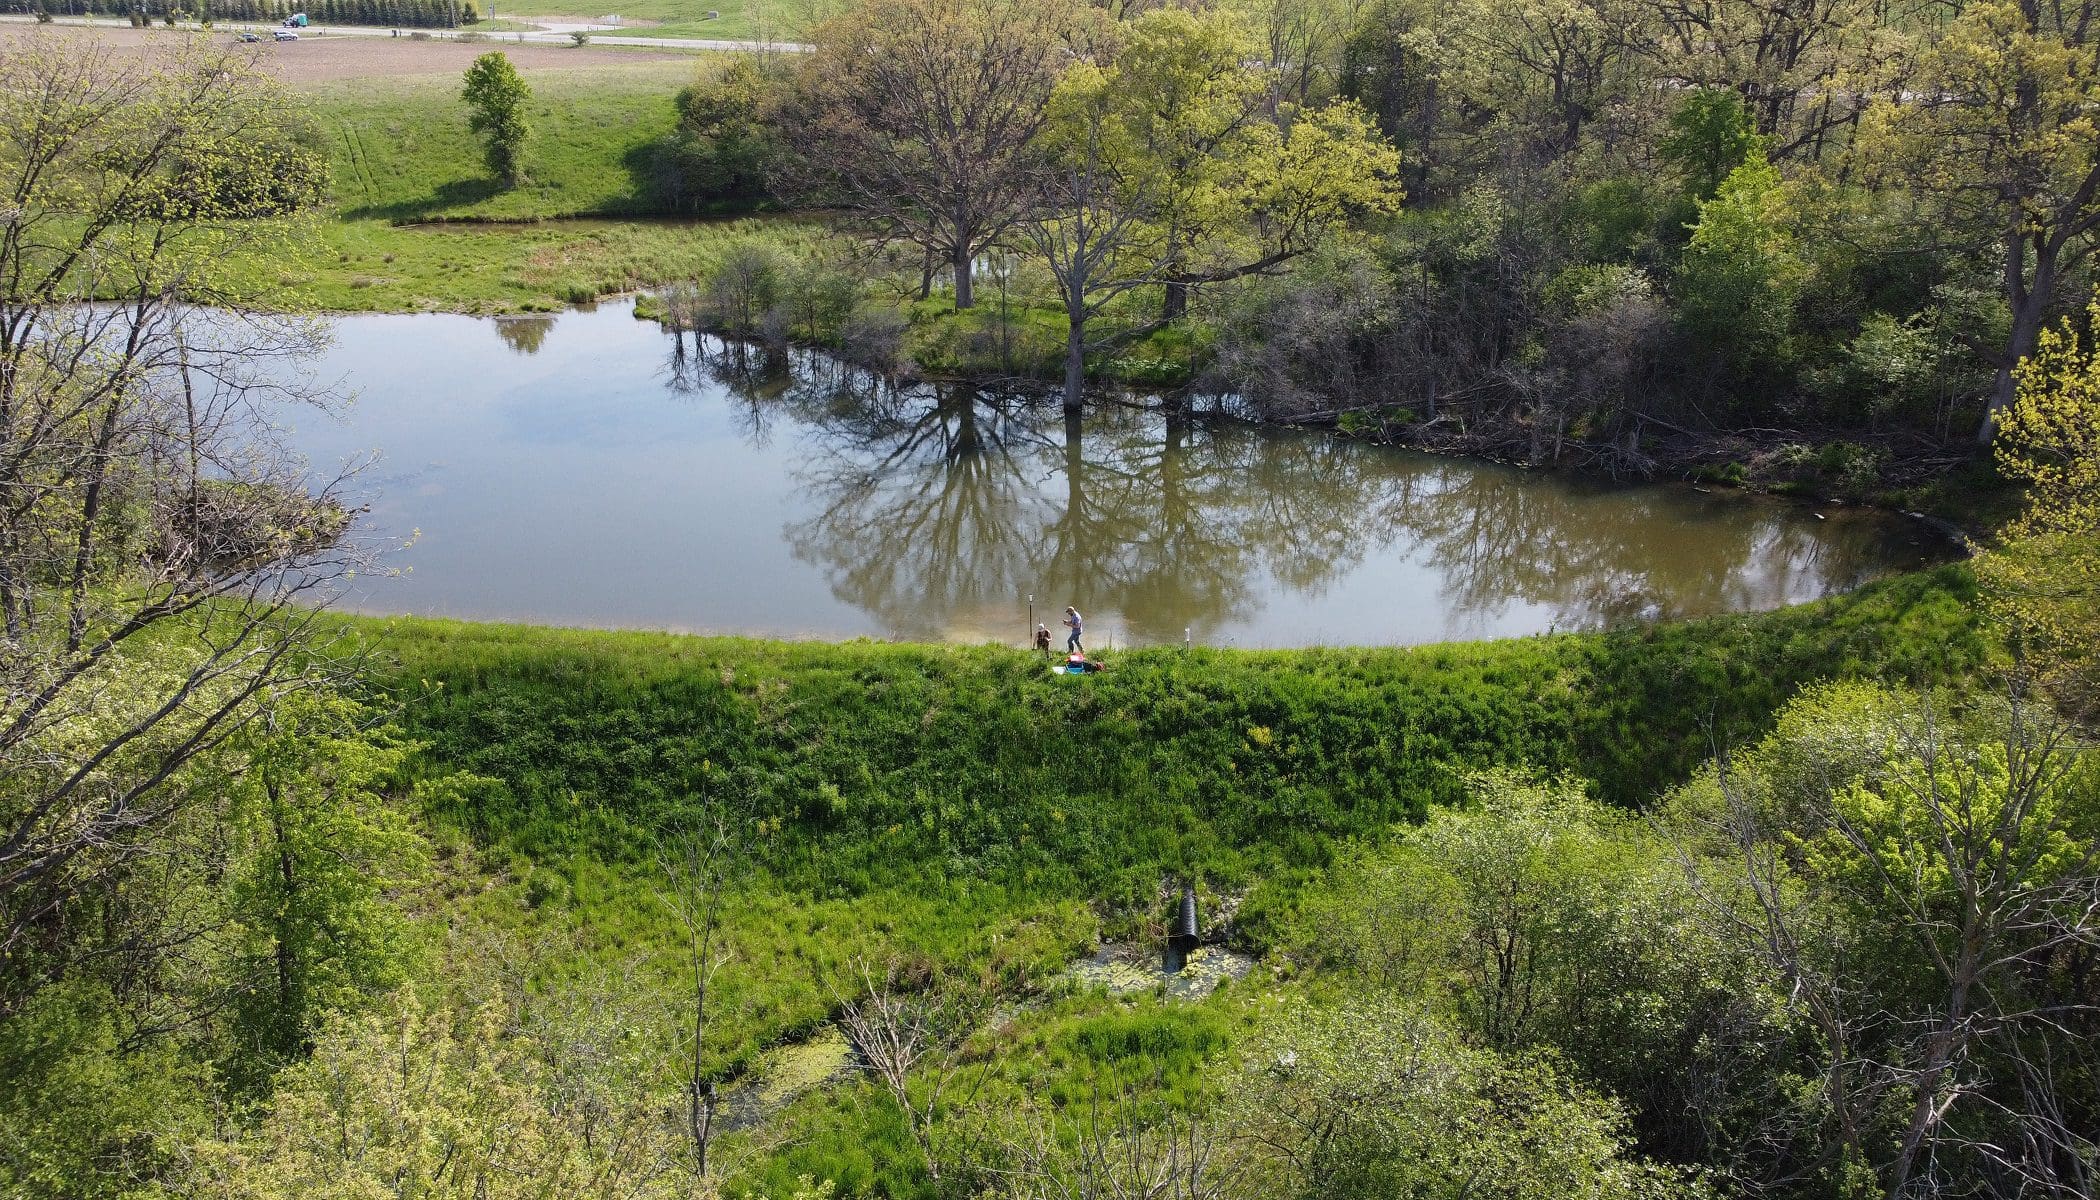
pixel 672 18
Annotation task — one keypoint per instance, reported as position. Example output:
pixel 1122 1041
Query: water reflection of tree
pixel 927 506
pixel 938 503
pixel 941 505
pixel 1191 519
pixel 754 377
pixel 524 335
pixel 1594 556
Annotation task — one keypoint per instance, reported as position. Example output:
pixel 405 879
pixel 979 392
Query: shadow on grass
pixel 446 196
pixel 659 184
pixel 656 173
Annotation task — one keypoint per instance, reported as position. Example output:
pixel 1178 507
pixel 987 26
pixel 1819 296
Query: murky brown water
pixel 570 470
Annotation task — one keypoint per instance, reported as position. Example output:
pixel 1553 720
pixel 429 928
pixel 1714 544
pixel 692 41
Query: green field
pixel 402 151
pixel 370 266
pixel 416 224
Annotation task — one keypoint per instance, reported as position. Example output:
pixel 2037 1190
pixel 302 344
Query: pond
pixel 575 470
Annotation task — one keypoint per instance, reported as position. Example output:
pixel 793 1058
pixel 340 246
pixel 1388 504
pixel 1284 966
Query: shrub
pixel 743 287
pixel 873 337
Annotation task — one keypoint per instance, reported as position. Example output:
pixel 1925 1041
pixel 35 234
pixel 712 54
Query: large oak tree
pixel 1997 143
pixel 920 116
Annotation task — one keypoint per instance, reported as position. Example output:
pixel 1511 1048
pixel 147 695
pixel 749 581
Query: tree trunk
pixel 1075 363
pixel 1925 1107
pixel 965 296
pixel 1176 304
pixel 1173 460
pixel 2028 303
pixel 1075 472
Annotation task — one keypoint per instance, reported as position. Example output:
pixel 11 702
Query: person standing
pixel 1072 623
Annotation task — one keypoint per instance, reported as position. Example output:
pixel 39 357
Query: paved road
pixel 551 37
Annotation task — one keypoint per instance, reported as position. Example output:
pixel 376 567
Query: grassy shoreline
pixel 1577 696
pixel 962 811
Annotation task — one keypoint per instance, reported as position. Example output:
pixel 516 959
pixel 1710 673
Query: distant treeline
pixel 415 14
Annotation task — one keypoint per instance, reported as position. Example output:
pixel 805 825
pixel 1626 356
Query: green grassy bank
pixel 370 266
pixel 879 761
pixel 875 766
pixel 401 150
pixel 963 811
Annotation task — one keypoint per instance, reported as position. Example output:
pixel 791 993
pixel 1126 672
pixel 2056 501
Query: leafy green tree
pixel 1709 136
pixel 1795 66
pixel 1497 903
pixel 723 152
pixel 2045 576
pixel 149 492
pixel 1180 83
pixel 497 96
pixel 1158 172
pixel 437 1101
pixel 162 552
pixel 1744 270
pixel 88 1107
pixel 1539 918
pixel 744 287
pixel 1993 143
pixel 819 290
pixel 324 851
pixel 1540 70
pixel 1914 881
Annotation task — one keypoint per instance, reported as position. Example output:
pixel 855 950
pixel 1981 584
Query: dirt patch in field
pixel 320 58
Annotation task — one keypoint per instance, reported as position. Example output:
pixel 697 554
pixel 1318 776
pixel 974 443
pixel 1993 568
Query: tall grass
pixel 371 266
pixel 886 765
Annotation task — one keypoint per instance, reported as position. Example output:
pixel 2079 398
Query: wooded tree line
pixel 1623 220
pixel 407 14
pixel 193 845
